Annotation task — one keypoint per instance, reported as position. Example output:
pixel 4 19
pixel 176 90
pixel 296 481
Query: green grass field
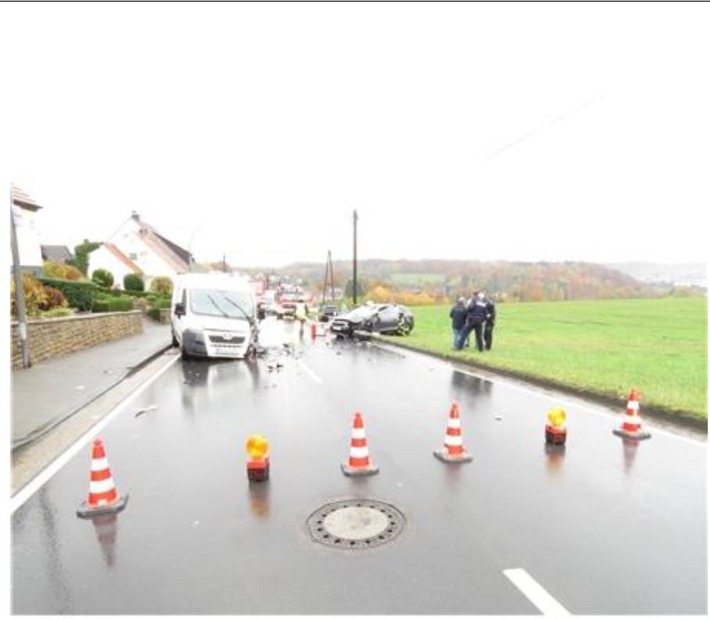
pixel 604 347
pixel 417 279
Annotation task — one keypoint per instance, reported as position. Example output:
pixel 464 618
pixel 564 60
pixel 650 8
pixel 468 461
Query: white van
pixel 214 315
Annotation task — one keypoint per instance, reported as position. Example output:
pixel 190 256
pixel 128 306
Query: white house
pixel 24 212
pixel 137 245
pixel 113 260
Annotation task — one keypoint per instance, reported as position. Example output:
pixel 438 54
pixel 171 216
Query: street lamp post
pixel 190 259
pixel 354 258
pixel 19 291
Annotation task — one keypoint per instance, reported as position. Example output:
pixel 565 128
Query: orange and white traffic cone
pixel 359 462
pixel 453 450
pixel 103 497
pixel 631 428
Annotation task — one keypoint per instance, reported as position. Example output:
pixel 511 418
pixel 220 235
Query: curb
pixel 680 419
pixel 44 429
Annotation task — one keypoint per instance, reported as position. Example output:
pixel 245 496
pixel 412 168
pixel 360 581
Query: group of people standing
pixel 478 314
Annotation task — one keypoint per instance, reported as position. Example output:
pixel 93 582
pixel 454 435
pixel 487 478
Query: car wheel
pixel 403 327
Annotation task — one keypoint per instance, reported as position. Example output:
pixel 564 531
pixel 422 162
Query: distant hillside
pixel 513 281
pixel 684 274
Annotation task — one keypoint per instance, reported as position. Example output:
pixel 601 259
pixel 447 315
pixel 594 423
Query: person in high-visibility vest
pixel 301 313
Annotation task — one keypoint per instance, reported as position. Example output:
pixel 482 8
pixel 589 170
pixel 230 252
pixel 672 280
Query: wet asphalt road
pixel 605 526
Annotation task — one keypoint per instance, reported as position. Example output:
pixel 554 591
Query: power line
pixel 537 130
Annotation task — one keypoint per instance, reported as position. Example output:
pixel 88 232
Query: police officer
pixel 475 317
pixel 489 323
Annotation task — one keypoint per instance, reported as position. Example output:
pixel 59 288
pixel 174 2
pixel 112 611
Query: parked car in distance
pixel 385 318
pixel 326 312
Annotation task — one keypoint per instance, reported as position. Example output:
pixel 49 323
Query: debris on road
pixel 147 409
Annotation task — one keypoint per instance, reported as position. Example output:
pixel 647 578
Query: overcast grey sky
pixel 466 131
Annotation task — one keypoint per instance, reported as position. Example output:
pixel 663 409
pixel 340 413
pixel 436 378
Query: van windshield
pixel 224 303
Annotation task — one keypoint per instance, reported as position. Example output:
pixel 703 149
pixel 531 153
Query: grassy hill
pixel 513 281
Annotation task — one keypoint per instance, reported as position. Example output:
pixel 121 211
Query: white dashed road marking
pixel 532 590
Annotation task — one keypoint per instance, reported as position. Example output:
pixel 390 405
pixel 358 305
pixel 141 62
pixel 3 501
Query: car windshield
pixel 225 303
pixel 362 312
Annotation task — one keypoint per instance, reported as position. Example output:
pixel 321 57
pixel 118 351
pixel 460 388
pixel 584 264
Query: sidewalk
pixel 47 393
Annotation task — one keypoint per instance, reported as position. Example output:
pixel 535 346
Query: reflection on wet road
pixel 604 525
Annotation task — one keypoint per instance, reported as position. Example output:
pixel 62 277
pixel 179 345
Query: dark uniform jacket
pixel 477 312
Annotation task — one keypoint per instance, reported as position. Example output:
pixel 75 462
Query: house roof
pixel 23 199
pixel 56 253
pixel 123 258
pixel 183 254
pixel 176 256
pixel 150 238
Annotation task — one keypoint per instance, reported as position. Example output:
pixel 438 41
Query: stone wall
pixel 53 337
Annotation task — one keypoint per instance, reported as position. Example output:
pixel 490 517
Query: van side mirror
pixel 179 309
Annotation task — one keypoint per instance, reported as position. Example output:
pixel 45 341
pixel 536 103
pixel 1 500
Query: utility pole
pixel 328 279
pixel 19 290
pixel 354 258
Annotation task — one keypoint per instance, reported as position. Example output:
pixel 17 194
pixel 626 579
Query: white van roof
pixel 221 281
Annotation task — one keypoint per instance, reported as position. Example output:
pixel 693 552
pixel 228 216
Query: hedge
pixel 161 303
pixel 79 294
pixel 133 282
pixel 113 304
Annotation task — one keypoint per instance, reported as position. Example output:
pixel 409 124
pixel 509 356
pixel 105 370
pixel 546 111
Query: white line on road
pixel 532 590
pixel 310 372
pixel 23 495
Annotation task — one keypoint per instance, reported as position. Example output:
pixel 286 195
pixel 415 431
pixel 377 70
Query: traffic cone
pixel 103 497
pixel 453 450
pixel 631 428
pixel 359 462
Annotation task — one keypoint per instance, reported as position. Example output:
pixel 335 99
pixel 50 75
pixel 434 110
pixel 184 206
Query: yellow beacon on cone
pixel 556 428
pixel 258 464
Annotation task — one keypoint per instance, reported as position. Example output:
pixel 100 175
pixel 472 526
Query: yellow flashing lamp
pixel 557 418
pixel 257 447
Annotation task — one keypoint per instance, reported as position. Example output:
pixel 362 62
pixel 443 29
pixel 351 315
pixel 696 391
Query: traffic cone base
pixel 444 455
pixel 639 434
pixel 355 471
pixel 87 511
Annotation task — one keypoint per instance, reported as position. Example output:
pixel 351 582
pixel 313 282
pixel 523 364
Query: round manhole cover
pixel 355 524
